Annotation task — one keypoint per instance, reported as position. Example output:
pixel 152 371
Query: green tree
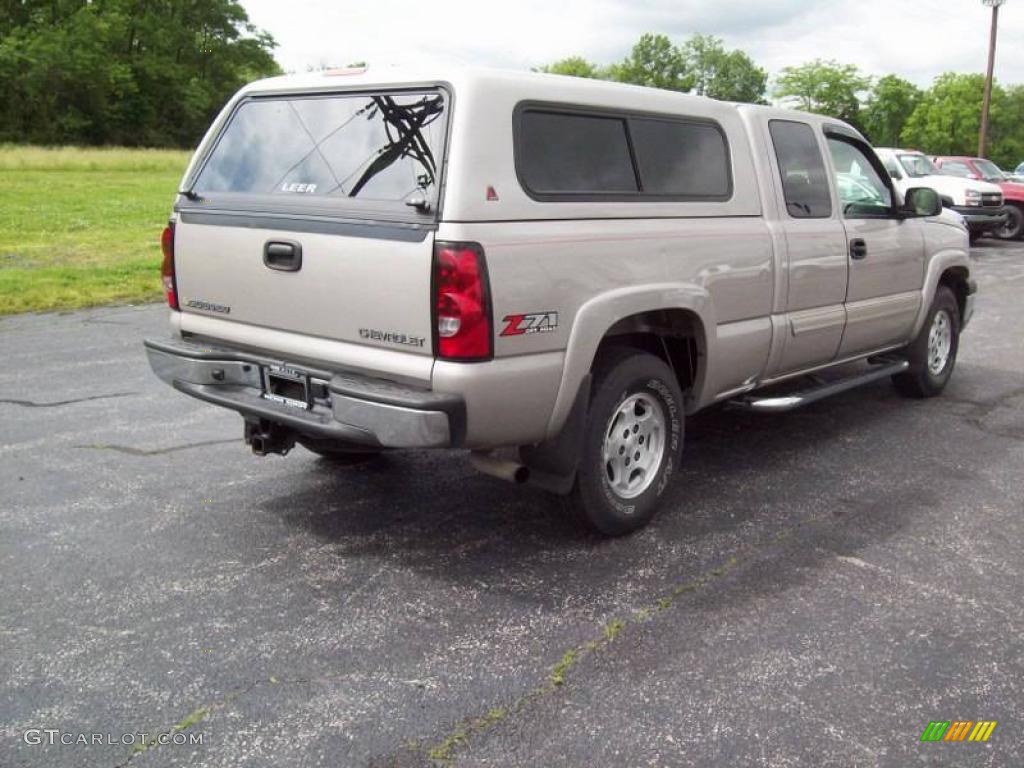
pixel 701 64
pixel 825 87
pixel 656 63
pixel 1006 129
pixel 123 71
pixel 947 118
pixel 722 74
pixel 890 104
pixel 575 66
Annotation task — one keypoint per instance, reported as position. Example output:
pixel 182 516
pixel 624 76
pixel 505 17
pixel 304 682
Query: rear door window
pixel 802 168
pixel 377 147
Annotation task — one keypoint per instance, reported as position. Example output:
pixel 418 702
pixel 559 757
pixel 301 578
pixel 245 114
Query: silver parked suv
pixel 547 271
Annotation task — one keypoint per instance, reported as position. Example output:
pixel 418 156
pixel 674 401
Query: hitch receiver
pixel 267 437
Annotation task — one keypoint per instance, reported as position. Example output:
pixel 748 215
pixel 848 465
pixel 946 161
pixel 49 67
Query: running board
pixel 778 404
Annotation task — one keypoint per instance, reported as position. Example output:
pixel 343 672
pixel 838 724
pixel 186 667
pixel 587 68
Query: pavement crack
pixel 984 409
pixel 155 451
pixel 444 750
pixel 102 321
pixel 194 717
pixel 57 403
pixel 198 714
pixel 991 403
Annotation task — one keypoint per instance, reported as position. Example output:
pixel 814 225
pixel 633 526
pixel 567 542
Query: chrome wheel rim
pixel 940 342
pixel 634 445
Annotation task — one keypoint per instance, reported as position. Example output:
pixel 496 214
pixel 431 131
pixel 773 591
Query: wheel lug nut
pixel 625 434
pixel 622 449
pixel 627 461
pixel 641 439
pixel 637 456
pixel 636 428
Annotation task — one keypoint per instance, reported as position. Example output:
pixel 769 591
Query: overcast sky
pixel 917 39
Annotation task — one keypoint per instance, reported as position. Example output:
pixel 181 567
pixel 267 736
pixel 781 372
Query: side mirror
pixel 895 174
pixel 922 201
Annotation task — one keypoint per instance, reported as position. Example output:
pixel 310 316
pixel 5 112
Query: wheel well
pixel 955 278
pixel 674 335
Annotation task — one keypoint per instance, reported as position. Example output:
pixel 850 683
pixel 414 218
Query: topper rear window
pixel 382 147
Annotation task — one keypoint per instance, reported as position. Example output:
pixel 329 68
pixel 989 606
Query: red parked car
pixel 986 170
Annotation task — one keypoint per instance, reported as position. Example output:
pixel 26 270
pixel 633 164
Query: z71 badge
pixel 534 322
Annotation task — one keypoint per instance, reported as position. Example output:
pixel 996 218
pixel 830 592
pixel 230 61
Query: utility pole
pixel 983 133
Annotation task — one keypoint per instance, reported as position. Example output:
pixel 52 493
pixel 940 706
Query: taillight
pixel 462 302
pixel 167 268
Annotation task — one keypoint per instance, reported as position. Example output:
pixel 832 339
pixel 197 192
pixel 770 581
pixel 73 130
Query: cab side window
pixel 804 179
pixel 862 192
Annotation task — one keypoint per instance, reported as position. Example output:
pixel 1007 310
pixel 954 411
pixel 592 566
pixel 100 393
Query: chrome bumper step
pixel 789 402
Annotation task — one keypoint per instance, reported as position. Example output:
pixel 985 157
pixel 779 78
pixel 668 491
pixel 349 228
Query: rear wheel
pixel 1014 226
pixel 632 441
pixel 932 355
pixel 335 453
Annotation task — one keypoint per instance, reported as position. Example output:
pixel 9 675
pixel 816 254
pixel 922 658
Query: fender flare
pixel 597 315
pixel 937 265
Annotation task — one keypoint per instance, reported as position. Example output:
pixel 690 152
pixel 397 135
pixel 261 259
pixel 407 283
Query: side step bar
pixel 781 403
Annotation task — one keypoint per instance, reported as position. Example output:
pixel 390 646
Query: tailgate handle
pixel 283 255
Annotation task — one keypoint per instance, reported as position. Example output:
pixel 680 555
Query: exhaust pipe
pixel 503 469
pixel 265 437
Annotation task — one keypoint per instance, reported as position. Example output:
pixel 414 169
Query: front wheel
pixel 633 441
pixel 1014 226
pixel 932 355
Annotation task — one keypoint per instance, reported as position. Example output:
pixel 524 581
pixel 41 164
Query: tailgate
pixel 368 290
pixel 314 214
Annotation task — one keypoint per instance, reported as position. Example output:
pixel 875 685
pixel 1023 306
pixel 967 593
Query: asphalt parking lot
pixel 823 584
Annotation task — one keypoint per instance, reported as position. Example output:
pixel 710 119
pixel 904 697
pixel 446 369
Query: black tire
pixel 335 453
pixel 920 380
pixel 620 374
pixel 1014 226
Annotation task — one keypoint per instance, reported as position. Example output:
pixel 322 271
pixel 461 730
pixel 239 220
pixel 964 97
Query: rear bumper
pixel 349 408
pixel 979 219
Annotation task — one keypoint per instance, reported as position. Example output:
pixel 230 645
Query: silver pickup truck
pixel 547 272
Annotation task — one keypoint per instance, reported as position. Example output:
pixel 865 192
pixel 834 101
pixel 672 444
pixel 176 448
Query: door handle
pixel 283 255
pixel 858 248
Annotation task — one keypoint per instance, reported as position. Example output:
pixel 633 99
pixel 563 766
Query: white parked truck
pixel 978 202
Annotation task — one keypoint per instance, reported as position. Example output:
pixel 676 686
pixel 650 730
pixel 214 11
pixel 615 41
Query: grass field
pixel 81 227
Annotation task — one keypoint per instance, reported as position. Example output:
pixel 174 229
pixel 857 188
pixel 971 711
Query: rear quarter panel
pixel 593 263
